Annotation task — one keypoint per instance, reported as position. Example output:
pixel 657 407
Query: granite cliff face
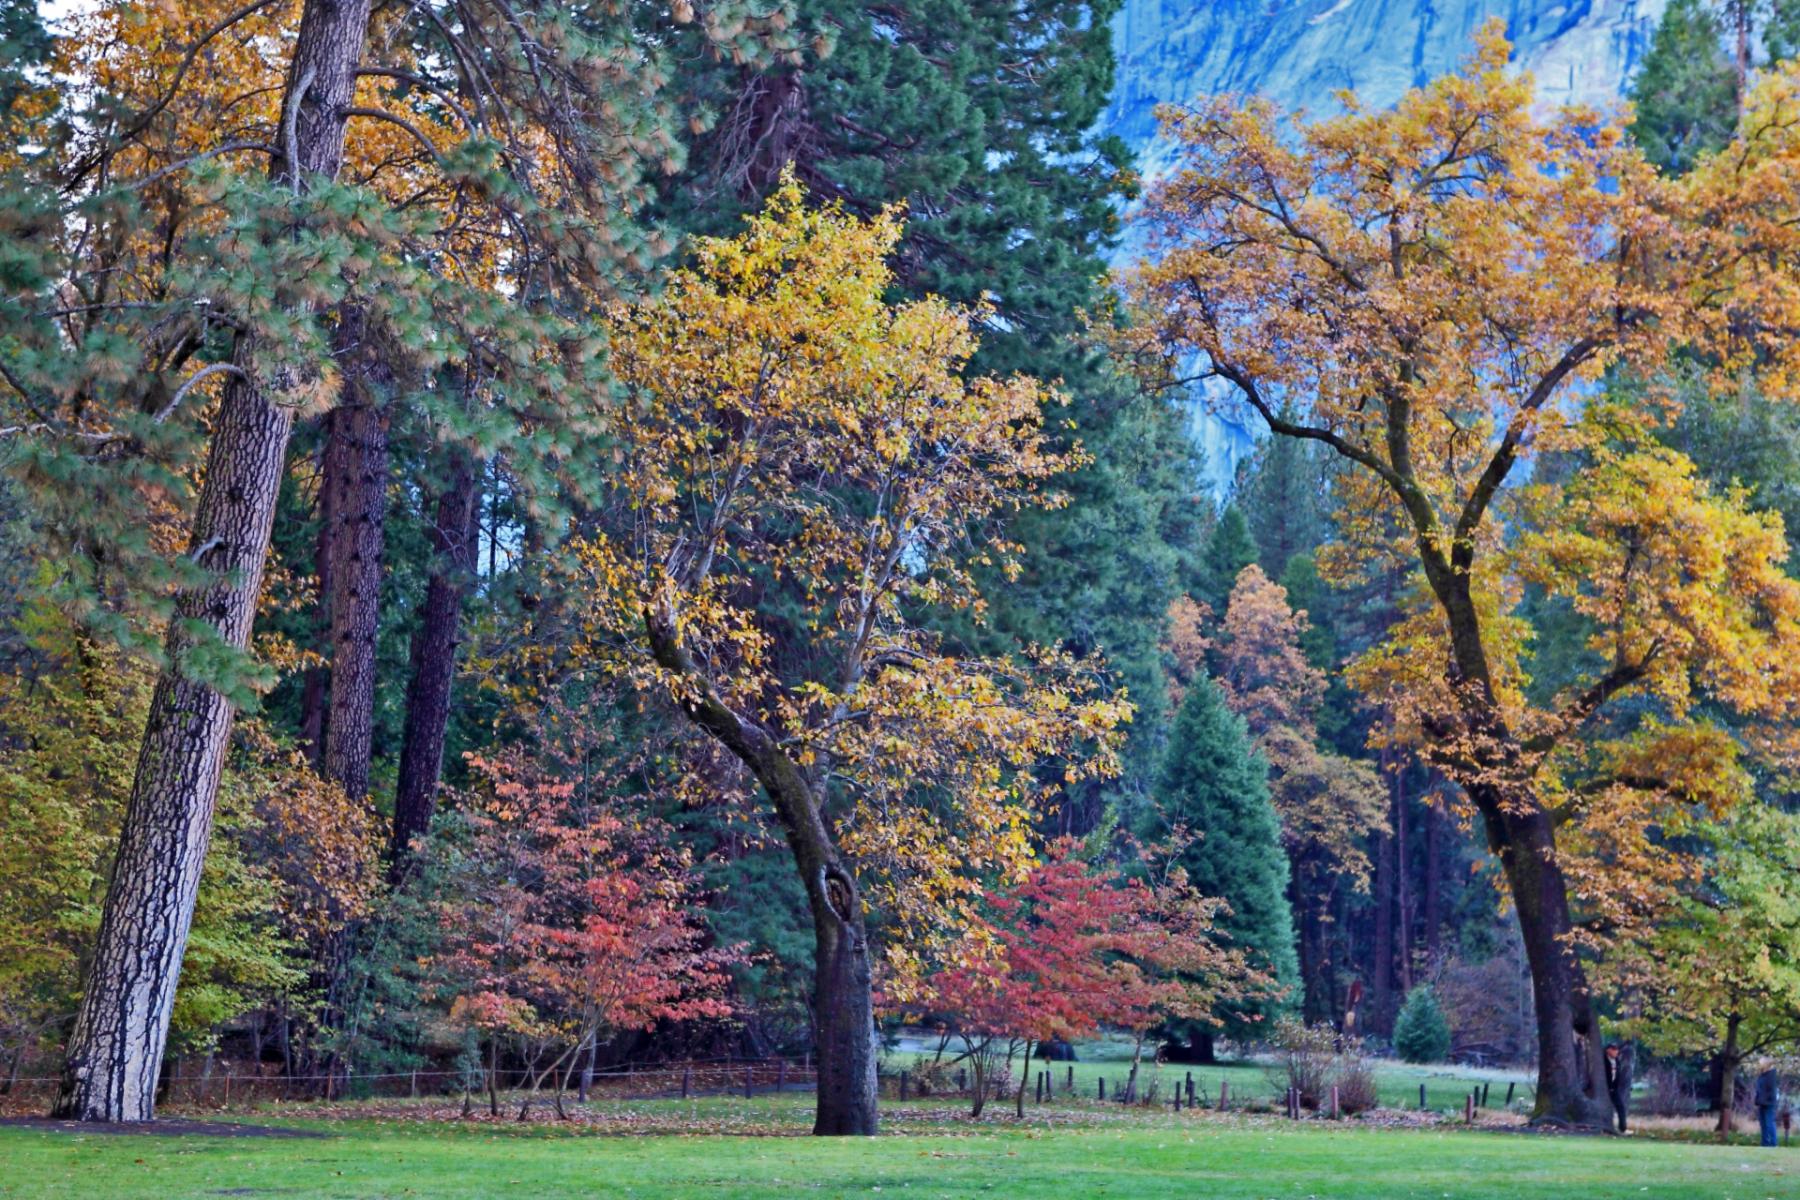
pixel 1301 53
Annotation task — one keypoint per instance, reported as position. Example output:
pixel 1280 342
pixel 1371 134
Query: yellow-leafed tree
pixel 804 472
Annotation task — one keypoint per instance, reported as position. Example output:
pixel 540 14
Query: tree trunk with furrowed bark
pixel 454 537
pixel 116 1047
pixel 355 478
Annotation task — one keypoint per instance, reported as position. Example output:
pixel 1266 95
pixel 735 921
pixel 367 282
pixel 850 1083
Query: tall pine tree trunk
pixel 315 685
pixel 454 538
pixel 116 1046
pixel 1386 888
pixel 355 487
pixel 356 484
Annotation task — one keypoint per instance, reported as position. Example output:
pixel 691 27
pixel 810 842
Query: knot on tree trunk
pixel 840 894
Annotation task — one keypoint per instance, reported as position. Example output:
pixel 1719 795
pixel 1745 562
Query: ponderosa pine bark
pixel 355 483
pixel 115 1050
pixel 843 985
pixel 454 537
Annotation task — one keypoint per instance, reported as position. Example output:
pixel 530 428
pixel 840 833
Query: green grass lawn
pixel 1143 1157
pixel 1397 1083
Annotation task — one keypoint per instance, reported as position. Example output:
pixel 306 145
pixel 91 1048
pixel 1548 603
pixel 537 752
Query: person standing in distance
pixel 1768 1101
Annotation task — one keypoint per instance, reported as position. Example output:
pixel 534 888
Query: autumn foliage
pixel 1069 950
pixel 570 922
pixel 1433 292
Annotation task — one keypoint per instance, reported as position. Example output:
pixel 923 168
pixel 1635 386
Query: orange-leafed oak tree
pixel 1434 291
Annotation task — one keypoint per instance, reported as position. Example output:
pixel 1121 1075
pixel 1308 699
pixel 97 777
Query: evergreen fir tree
pixel 1282 490
pixel 1229 549
pixel 1101 572
pixel 1215 784
pixel 1686 92
pixel 1421 1032
pixel 977 116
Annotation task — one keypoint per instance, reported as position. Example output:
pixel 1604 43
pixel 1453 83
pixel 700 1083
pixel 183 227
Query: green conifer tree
pixel 1229 549
pixel 1686 92
pixel 1421 1032
pixel 1214 784
pixel 1282 490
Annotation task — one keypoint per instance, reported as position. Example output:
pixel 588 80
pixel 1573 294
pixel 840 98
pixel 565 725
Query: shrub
pixel 1304 1059
pixel 1356 1085
pixel 1314 1059
pixel 1421 1034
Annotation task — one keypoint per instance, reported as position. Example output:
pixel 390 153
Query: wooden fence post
pixel 1484 1094
pixel 1103 1087
pixel 1509 1091
pixel 687 1082
pixel 1069 1082
pixel 781 1075
pixel 1421 1097
pixel 1224 1094
pixel 903 1084
pixel 1469 1109
pixel 1334 1102
pixel 749 1081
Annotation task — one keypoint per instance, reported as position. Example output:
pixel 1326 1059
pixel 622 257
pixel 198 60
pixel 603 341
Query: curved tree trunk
pixel 116 1047
pixel 1570 1069
pixel 843 989
pixel 454 536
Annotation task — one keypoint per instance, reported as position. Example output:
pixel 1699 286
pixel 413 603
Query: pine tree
pixel 1229 549
pixel 1686 93
pixel 977 116
pixel 1421 1032
pixel 1215 785
pixel 1282 489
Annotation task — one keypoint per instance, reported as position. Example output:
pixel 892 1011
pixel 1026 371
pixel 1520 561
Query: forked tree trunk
pixel 116 1046
pixel 454 537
